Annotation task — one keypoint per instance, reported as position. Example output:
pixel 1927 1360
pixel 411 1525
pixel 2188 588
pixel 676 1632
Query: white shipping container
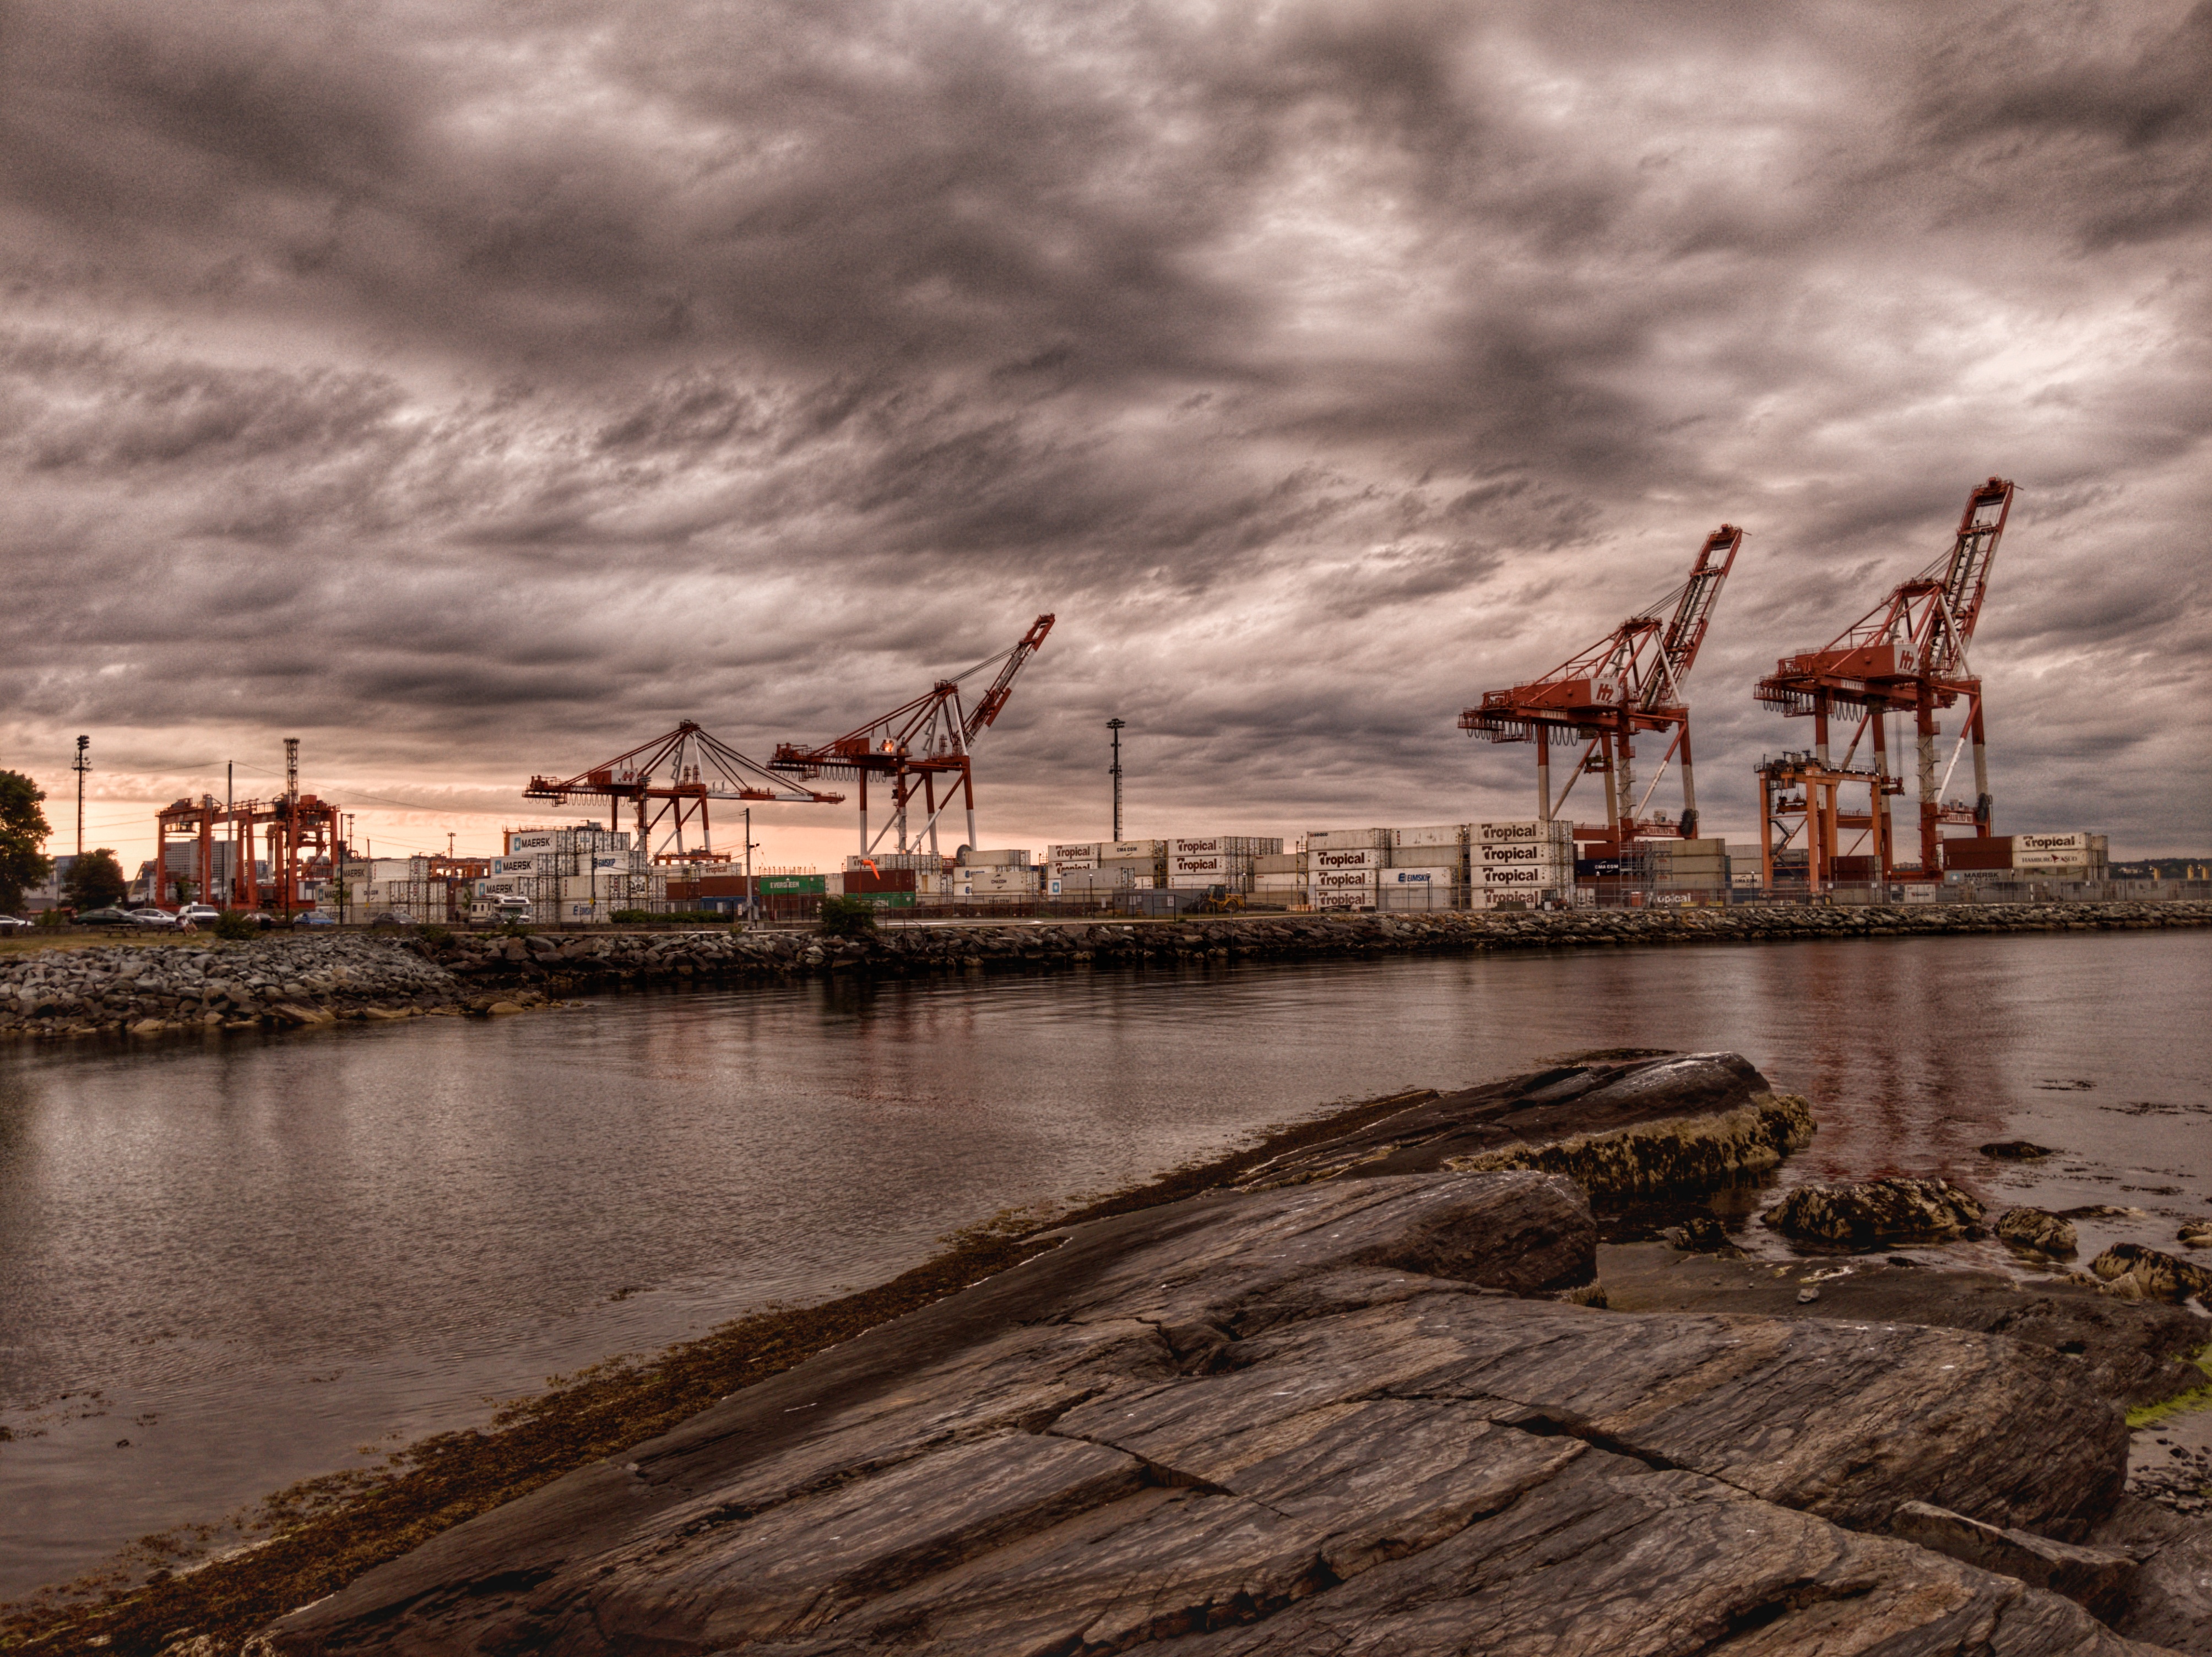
pixel 1413 877
pixel 1280 862
pixel 1342 880
pixel 2065 857
pixel 1219 865
pixel 1528 855
pixel 1004 858
pixel 1442 834
pixel 1349 898
pixel 1339 840
pixel 1522 832
pixel 1084 854
pixel 1236 881
pixel 1336 857
pixel 1149 851
pixel 2078 843
pixel 1270 883
pixel 1525 880
pixel 1446 856
pixel 1071 865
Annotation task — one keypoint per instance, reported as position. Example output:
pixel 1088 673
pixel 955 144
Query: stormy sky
pixel 474 389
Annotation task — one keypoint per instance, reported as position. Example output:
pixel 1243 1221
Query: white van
pixel 503 910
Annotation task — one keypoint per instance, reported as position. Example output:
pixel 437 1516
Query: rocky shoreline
pixel 1375 1395
pixel 144 990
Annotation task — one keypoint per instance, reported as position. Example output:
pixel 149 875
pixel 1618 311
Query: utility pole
pixel 81 765
pixel 1115 726
pixel 752 906
pixel 230 817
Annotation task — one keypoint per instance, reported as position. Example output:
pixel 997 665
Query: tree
pixel 23 830
pixel 848 917
pixel 94 880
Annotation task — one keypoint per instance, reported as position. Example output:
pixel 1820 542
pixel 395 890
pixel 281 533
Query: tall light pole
pixel 1115 726
pixel 81 764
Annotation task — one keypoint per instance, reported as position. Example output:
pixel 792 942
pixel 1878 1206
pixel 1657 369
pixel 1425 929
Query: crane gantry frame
pixel 932 735
pixel 1631 680
pixel 1907 654
pixel 696 767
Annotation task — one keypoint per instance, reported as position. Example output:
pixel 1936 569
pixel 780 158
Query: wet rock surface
pixel 1631 1126
pixel 2039 1230
pixel 2015 1150
pixel 2135 1272
pixel 1347 1413
pixel 1877 1213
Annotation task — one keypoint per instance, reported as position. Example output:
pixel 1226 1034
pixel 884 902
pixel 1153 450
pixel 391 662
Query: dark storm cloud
pixel 483 389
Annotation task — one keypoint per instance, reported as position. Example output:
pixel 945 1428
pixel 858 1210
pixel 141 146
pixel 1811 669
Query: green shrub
pixel 436 937
pixel 52 919
pixel 236 924
pixel 848 917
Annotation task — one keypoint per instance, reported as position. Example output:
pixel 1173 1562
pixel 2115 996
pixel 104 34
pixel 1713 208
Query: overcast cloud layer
pixel 474 390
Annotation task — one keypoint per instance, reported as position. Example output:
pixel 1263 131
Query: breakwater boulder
pixel 581 958
pixel 1345 1414
pixel 149 989
pixel 2134 1272
pixel 2038 1229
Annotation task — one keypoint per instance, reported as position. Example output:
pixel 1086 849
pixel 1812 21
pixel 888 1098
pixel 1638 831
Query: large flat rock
pixel 1333 1417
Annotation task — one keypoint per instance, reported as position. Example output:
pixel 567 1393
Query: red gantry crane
pixel 915 743
pixel 668 782
pixel 1632 680
pixel 1907 654
pixel 299 834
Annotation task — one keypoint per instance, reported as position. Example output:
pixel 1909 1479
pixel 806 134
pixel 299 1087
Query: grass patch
pixel 313 1539
pixel 2181 1404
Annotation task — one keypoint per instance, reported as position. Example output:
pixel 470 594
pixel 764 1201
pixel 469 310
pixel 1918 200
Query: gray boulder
pixel 2038 1229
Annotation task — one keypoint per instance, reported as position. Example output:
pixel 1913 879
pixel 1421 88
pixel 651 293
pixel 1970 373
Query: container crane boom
pixel 1633 679
pixel 929 735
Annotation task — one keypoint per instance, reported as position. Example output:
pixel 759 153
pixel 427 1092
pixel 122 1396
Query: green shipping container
pixel 792 886
pixel 885 900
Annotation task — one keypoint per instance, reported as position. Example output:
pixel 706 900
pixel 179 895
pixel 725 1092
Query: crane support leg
pixel 1820 728
pixel 864 813
pixel 1878 808
pixel 1984 812
pixel 968 793
pixel 1689 788
pixel 1611 796
pixel 1543 776
pixel 1931 853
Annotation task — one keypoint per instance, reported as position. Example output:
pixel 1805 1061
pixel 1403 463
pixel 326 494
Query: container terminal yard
pixel 1829 821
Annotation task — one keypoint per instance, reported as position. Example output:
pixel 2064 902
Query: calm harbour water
pixel 253 1258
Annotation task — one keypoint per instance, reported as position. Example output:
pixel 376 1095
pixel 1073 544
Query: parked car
pixel 198 914
pixel 312 918
pixel 157 920
pixel 391 917
pixel 9 923
pixel 106 917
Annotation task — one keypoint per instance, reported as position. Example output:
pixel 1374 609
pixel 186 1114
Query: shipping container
pixel 1531 878
pixel 1349 839
pixel 1347 897
pixel 1972 852
pixel 1525 855
pixel 1219 865
pixel 1085 854
pixel 1237 845
pixel 791 886
pixel 859 881
pixel 1411 877
pixel 1279 862
pixel 1341 879
pixel 1279 882
pixel 1343 857
pixel 1070 865
pixel 2078 843
pixel 1521 831
pixel 1006 858
pixel 1132 851
pixel 1440 834
pixel 1428 857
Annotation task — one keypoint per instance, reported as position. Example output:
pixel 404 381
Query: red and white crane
pixel 1907 654
pixel 913 745
pixel 1631 681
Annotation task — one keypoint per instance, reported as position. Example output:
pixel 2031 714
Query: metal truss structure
pixel 1631 681
pixel 667 782
pixel 1906 655
pixel 917 743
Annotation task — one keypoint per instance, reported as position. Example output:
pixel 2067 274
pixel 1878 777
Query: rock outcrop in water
pixel 1350 1410
pixel 2038 1229
pixel 1876 1212
pixel 2135 1272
